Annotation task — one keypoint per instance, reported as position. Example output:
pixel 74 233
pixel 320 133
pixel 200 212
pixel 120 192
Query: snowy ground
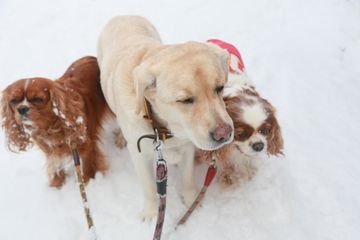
pixel 304 56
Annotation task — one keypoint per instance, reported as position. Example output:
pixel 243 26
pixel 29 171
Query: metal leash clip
pixel 213 160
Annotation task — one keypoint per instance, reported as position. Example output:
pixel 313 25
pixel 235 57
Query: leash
pixel 80 180
pixel 159 137
pixel 161 184
pixel 210 174
pixel 161 180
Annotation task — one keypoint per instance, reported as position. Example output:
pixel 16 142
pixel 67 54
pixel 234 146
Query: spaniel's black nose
pixel 23 110
pixel 258 146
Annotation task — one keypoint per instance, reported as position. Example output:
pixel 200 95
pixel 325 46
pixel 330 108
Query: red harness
pixel 236 65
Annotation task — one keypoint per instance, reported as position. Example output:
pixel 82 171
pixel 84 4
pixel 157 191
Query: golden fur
pixel 183 83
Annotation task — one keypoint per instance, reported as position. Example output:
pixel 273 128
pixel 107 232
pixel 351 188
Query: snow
pixel 55 110
pixel 302 55
pixel 79 120
pixel 92 234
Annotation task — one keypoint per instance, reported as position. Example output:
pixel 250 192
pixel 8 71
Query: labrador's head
pixel 184 84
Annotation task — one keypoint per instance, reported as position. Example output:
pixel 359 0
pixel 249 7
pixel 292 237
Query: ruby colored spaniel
pixel 58 115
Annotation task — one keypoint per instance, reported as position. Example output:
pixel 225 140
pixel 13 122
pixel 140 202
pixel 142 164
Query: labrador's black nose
pixel 258 146
pixel 23 110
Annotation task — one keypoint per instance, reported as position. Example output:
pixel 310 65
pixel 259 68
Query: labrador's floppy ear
pixel 224 61
pixel 224 57
pixel 144 79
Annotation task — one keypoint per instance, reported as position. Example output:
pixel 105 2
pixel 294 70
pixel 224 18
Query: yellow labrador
pixel 182 82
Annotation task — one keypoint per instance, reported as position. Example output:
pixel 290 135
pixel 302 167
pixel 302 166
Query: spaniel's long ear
pixel 274 138
pixel 69 107
pixel 144 80
pixel 16 137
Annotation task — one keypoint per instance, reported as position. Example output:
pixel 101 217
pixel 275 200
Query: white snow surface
pixel 302 55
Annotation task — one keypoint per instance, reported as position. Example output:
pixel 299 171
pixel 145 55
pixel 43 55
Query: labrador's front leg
pixel 189 191
pixel 144 169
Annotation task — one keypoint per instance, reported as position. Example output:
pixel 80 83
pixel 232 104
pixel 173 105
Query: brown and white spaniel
pixel 58 115
pixel 256 128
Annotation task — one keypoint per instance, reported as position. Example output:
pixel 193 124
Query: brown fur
pixel 274 138
pixel 233 106
pixel 80 109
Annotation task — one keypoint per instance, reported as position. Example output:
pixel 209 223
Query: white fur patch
pixel 26 84
pixel 28 129
pixel 25 102
pixel 254 115
pixel 57 111
pixel 55 164
pixel 236 83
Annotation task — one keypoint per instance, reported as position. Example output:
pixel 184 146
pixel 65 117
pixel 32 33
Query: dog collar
pixel 160 132
pixel 236 63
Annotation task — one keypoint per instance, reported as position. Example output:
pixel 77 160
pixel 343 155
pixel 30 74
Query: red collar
pixel 236 63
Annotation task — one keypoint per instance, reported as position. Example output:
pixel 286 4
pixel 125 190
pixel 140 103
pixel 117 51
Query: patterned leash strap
pixel 161 184
pixel 93 235
pixel 211 172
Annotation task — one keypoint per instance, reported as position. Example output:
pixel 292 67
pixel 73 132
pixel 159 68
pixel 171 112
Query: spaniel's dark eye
pixel 36 100
pixel 14 101
pixel 241 136
pixel 265 130
pixel 189 100
pixel 219 89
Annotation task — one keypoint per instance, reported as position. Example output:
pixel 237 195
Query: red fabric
pixel 211 172
pixel 232 50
